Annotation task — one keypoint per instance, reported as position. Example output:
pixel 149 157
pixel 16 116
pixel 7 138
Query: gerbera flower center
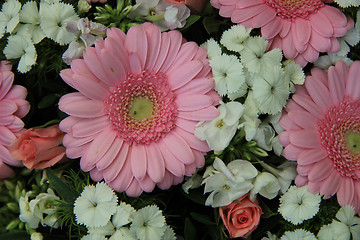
pixel 340 136
pixel 142 107
pixel 290 9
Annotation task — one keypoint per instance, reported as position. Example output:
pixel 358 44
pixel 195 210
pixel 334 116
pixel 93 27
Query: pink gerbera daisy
pixel 13 107
pixel 322 133
pixel 301 28
pixel 140 96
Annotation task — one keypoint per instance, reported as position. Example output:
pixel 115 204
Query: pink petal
pixel 336 85
pixel 96 175
pixel 163 52
pixel 320 75
pixel 331 184
pixel 82 108
pixel 178 147
pixel 190 169
pixel 335 45
pixel 146 184
pixel 110 155
pixel 134 189
pixel 241 15
pixel 199 158
pixel 183 74
pixel 314 187
pixel 5 171
pixel 90 86
pixel 286 123
pixel 76 152
pixel 301 181
pixel 320 170
pixel 193 141
pixel 153 35
pixel 310 54
pixel 193 102
pixel 66 75
pixel 172 163
pixel 335 16
pixel 72 141
pixel 318 92
pixel 265 17
pixel 285 28
pixel 121 161
pixel 319 42
pixel 136 42
pixel 197 85
pixel 353 83
pixel 7 158
pixel 167 182
pixel 288 47
pixel 299 59
pixel 113 68
pixel 244 3
pixel 186 125
pixel 305 138
pixel 271 29
pixel 7 107
pixel 307 103
pixel 186 54
pixel 155 163
pixel 88 127
pixel 346 191
pixel 204 114
pixel 118 50
pixel 7 120
pixel 94 64
pixel 299 46
pixel 138 161
pixel 116 34
pixel 302 30
pixel 303 119
pixel 23 107
pixel 310 156
pixel 135 64
pixel 7 79
pixel 175 44
pixel 284 138
pixel 6 136
pixel 321 24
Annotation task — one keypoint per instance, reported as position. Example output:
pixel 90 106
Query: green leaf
pixel 64 190
pixel 191 20
pixel 211 25
pixel 48 101
pixel 15 235
pixel 196 196
pixel 205 219
pixel 189 230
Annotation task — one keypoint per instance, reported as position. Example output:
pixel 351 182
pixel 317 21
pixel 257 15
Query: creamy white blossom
pixel 9 16
pixel 26 215
pixel 298 234
pixel 233 39
pixel 192 182
pixel 30 19
pixel 326 61
pixel 266 185
pixel 212 47
pixel 348 3
pixel 249 121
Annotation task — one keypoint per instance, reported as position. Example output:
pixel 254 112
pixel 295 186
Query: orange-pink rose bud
pixel 198 5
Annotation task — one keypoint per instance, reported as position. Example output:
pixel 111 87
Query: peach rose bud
pixel 198 5
pixel 241 219
pixel 39 148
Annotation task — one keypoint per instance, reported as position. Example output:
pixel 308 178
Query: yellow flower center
pixel 141 109
pixel 353 141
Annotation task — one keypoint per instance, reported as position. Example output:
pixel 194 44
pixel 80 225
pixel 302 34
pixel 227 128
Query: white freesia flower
pixel 347 225
pixel 192 182
pixel 298 234
pixel 285 173
pixel 272 90
pixel 212 47
pixel 148 223
pixel 326 61
pixel 264 136
pixel 228 73
pixel 298 204
pixel 53 20
pixel 256 59
pixel 233 39
pixel 21 47
pixel 219 132
pixel 26 215
pixel 95 205
pixel 9 16
pixel 228 183
pixel 266 185
pixel 29 15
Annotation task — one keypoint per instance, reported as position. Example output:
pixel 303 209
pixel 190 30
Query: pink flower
pixel 140 97
pixel 242 217
pixel 13 107
pixel 301 28
pixel 198 5
pixel 39 148
pixel 322 133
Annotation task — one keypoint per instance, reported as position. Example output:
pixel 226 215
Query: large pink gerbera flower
pixel 13 107
pixel 322 133
pixel 140 96
pixel 301 28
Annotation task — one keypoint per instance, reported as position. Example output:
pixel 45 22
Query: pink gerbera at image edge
pixel 13 107
pixel 301 28
pixel 322 133
pixel 139 98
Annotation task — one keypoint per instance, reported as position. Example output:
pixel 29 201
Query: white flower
pixel 212 47
pixel 234 38
pixel 272 90
pixel 93 237
pixel 192 182
pixel 228 73
pixel 106 230
pixel 74 51
pixel 36 236
pixel 26 215
pixel 348 3
pixel 298 234
pixel 29 14
pixel 298 204
pixel 285 173
pixel 351 38
pixel 95 205
pixel 148 223
pixel 219 132
pixel 168 233
pixel 122 233
pixel 249 121
pixel 326 61
pixel 53 20
pixel 270 237
pixel 83 6
pixel 256 59
pixel 21 47
pixel 124 215
pixel 175 16
pixel 9 16
pixel 244 88
pixel 228 183
pixel 264 136
pixel 347 225
pixel 294 73
pixel 266 185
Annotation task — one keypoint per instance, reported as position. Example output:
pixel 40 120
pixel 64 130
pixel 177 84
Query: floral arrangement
pixel 179 119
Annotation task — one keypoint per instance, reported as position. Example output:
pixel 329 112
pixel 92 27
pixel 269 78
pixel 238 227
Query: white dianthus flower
pixel 348 3
pixel 233 39
pixel 212 47
pixel 326 61
pixel 95 205
pixel 228 73
pixel 148 223
pixel 298 234
pixel 168 234
pixel 29 15
pixel 9 16
pixel 93 237
pixel 298 204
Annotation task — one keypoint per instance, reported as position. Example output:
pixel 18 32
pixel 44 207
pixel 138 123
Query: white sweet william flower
pixel 148 223
pixel 95 205
pixel 228 183
pixel 219 132
pixel 93 237
pixel 326 61
pixel 264 136
pixel 168 233
pixel 266 185
pixel 9 16
pixel 346 225
pixel 53 20
pixel 249 121
pixel 123 233
pixel 270 236
pixel 21 47
pixel 298 204
pixel 29 15
pixel 26 215
pixel 294 73
pixel 233 39
pixel 298 234
pixel 348 3
pixel 212 47
pixel 228 73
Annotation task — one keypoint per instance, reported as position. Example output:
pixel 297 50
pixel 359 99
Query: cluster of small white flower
pixel 97 208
